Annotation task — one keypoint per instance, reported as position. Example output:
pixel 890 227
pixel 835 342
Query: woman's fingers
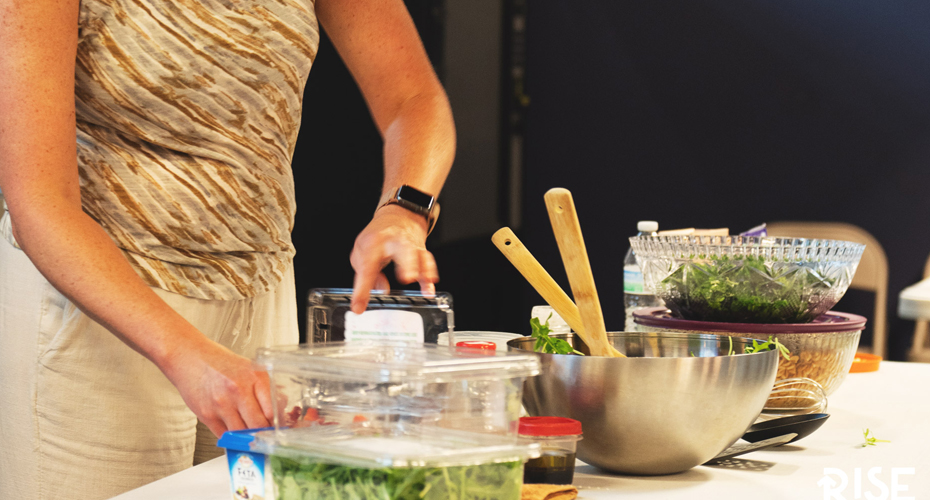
pixel 216 425
pixel 382 283
pixel 263 396
pixel 393 235
pixel 429 273
pixel 222 388
pixel 250 413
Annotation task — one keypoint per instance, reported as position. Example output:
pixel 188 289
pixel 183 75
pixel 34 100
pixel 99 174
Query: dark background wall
pixel 695 114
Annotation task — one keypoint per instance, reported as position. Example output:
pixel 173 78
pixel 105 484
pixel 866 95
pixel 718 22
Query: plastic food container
pixel 747 279
pixel 865 362
pixel 249 472
pixel 382 384
pixel 398 315
pixel 403 462
pixel 822 350
pixel 558 438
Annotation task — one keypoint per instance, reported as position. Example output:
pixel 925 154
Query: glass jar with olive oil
pixel 558 438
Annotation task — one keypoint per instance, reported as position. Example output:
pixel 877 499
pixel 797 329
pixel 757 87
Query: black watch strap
pixel 416 201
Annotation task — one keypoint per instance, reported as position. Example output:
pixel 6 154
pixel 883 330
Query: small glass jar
pixel 558 438
pixel 547 313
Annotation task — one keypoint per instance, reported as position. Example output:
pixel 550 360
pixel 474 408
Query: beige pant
pixel 83 416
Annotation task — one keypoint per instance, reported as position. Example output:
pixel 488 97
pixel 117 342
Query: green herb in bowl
pixel 744 289
pixel 768 345
pixel 545 343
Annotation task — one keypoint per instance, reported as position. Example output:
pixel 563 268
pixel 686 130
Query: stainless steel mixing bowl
pixel 677 401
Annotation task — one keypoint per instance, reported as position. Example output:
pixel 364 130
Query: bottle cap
pixel 647 226
pixel 549 426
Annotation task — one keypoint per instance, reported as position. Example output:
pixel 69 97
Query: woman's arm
pixel 39 179
pixel 380 46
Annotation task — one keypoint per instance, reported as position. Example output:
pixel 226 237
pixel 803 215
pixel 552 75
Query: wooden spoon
pixel 567 231
pixel 521 258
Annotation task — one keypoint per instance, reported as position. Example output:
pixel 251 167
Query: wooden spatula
pixel 567 231
pixel 521 258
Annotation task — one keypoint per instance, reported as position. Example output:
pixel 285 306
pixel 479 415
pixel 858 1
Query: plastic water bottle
pixel 635 294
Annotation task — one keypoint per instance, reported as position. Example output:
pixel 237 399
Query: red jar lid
pixel 477 344
pixel 549 426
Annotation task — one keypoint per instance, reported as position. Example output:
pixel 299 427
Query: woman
pixel 145 151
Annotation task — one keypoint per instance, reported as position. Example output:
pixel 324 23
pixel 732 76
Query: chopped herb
pixel 305 479
pixel 745 289
pixel 730 352
pixel 871 441
pixel 547 344
pixel 768 345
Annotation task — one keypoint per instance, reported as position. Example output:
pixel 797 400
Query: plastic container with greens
pixel 382 384
pixel 401 462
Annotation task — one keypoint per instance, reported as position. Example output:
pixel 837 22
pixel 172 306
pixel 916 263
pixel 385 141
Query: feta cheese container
pixel 249 472
pixel 394 463
pixel 383 383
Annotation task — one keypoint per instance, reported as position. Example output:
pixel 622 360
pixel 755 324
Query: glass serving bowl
pixel 745 279
pixel 822 350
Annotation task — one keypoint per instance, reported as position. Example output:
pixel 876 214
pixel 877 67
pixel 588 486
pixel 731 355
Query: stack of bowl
pixel 760 288
pixel 688 388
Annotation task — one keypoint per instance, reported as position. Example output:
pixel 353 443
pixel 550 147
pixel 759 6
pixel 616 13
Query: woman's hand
pixel 397 235
pixel 222 388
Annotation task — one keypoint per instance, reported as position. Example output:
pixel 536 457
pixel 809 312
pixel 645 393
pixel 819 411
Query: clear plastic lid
pixel 400 446
pixel 384 362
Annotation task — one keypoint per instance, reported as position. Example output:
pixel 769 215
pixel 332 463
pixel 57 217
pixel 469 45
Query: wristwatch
pixel 416 201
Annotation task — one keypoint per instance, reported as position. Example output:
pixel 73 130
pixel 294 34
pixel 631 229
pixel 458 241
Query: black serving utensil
pixel 802 425
pixel 741 449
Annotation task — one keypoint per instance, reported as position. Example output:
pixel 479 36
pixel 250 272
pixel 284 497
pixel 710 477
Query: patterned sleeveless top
pixel 187 117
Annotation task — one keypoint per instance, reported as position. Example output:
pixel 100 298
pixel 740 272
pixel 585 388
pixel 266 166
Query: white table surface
pixel 914 301
pixel 894 403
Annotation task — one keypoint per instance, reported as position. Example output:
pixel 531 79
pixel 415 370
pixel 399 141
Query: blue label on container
pixel 246 475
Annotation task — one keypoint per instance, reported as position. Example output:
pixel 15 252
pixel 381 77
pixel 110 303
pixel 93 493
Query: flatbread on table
pixel 549 492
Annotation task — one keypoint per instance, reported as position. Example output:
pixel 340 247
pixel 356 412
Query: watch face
pixel 419 198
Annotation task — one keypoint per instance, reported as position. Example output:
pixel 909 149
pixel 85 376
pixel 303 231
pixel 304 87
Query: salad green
pixel 871 440
pixel 547 344
pixel 307 480
pixel 744 289
pixel 768 345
